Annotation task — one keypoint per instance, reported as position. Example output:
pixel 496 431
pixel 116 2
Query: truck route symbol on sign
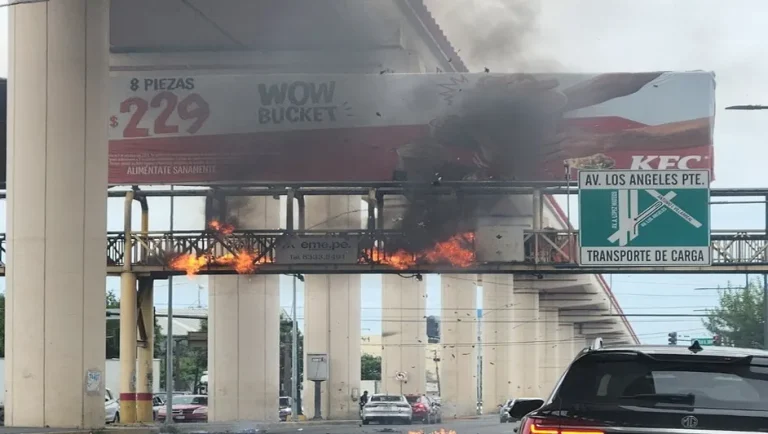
pixel 644 218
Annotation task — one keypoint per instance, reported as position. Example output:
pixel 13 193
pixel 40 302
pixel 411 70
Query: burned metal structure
pixel 229 250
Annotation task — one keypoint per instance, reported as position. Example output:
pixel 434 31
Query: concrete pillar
pixel 525 336
pixel 128 347
pixel 403 327
pixel 145 352
pixel 549 348
pixel 332 316
pixel 567 350
pixel 458 338
pixel 500 375
pixel 244 331
pixel 404 334
pixel 57 179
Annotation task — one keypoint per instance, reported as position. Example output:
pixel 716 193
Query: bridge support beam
pixel 567 347
pixel 549 349
pixel 500 377
pixel 528 355
pixel 57 179
pixel 332 316
pixel 403 328
pixel 458 339
pixel 128 308
pixel 244 328
pixel 145 351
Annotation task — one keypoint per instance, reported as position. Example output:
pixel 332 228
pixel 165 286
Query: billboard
pixel 205 129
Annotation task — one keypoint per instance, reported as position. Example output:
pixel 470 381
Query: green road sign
pixel 705 342
pixel 644 217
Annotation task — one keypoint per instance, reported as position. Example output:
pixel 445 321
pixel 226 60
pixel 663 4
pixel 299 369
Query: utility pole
pixel 437 370
pixel 169 344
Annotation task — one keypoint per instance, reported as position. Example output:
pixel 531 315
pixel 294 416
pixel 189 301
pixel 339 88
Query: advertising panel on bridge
pixel 205 129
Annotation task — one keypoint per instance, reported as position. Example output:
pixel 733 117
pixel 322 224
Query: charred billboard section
pixel 426 129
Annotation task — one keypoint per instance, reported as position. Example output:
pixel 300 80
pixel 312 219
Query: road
pixel 483 425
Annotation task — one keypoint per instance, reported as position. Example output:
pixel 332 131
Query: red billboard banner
pixel 206 129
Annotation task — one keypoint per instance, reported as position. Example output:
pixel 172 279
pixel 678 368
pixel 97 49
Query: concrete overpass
pixel 61 55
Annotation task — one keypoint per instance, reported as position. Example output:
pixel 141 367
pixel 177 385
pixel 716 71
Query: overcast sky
pixel 595 36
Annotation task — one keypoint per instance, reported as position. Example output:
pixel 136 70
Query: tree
pixel 113 327
pixel 113 332
pixel 370 367
pixel 433 329
pixel 739 317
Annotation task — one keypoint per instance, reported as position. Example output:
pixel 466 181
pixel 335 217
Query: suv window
pixel 412 399
pixel 713 385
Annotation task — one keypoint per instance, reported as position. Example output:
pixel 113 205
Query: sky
pixel 582 36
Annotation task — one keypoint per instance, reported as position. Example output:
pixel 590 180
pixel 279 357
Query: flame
pixel 222 228
pixel 243 262
pixel 454 251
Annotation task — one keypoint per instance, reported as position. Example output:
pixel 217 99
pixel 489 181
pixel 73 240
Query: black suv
pixel 634 389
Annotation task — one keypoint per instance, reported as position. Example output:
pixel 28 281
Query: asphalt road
pixel 483 425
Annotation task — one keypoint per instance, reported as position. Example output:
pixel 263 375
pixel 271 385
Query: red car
pixel 424 409
pixel 187 408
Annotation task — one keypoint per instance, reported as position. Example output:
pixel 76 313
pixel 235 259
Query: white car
pixel 111 407
pixel 384 408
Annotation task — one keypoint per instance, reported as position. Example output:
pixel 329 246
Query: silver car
pixel 385 408
pixel 111 407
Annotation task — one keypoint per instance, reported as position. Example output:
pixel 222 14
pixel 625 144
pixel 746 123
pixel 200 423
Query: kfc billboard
pixel 205 129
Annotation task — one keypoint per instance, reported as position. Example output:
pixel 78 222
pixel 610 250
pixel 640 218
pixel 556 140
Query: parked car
pixel 383 408
pixel 504 412
pixel 187 408
pixel 157 402
pixel 424 409
pixel 111 407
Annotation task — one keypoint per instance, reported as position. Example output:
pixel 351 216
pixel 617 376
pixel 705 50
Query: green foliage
pixel 738 319
pixel 370 367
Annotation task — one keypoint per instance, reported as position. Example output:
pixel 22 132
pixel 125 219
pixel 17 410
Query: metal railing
pixel 541 248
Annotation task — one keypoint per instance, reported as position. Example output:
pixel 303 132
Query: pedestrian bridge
pixel 159 254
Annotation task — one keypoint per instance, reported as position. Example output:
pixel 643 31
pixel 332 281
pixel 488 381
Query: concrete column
pixel 244 331
pixel 549 348
pixel 526 334
pixel 458 337
pixel 404 334
pixel 145 352
pixel 128 347
pixel 57 179
pixel 567 352
pixel 404 327
pixel 332 316
pixel 500 375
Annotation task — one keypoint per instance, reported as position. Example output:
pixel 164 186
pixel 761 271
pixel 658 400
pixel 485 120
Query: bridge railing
pixel 544 247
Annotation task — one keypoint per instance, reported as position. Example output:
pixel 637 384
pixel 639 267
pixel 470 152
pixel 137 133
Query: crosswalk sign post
pixel 644 218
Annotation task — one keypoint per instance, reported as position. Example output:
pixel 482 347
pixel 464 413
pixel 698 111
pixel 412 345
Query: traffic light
pixel 717 340
pixel 673 338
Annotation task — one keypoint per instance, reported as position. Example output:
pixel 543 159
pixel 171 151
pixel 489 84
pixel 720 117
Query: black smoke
pixel 505 121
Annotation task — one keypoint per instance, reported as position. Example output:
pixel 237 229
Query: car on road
pixel 504 416
pixel 658 389
pixel 111 407
pixel 187 408
pixel 424 409
pixel 384 408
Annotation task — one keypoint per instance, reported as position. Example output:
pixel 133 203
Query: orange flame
pixel 222 228
pixel 452 251
pixel 243 262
